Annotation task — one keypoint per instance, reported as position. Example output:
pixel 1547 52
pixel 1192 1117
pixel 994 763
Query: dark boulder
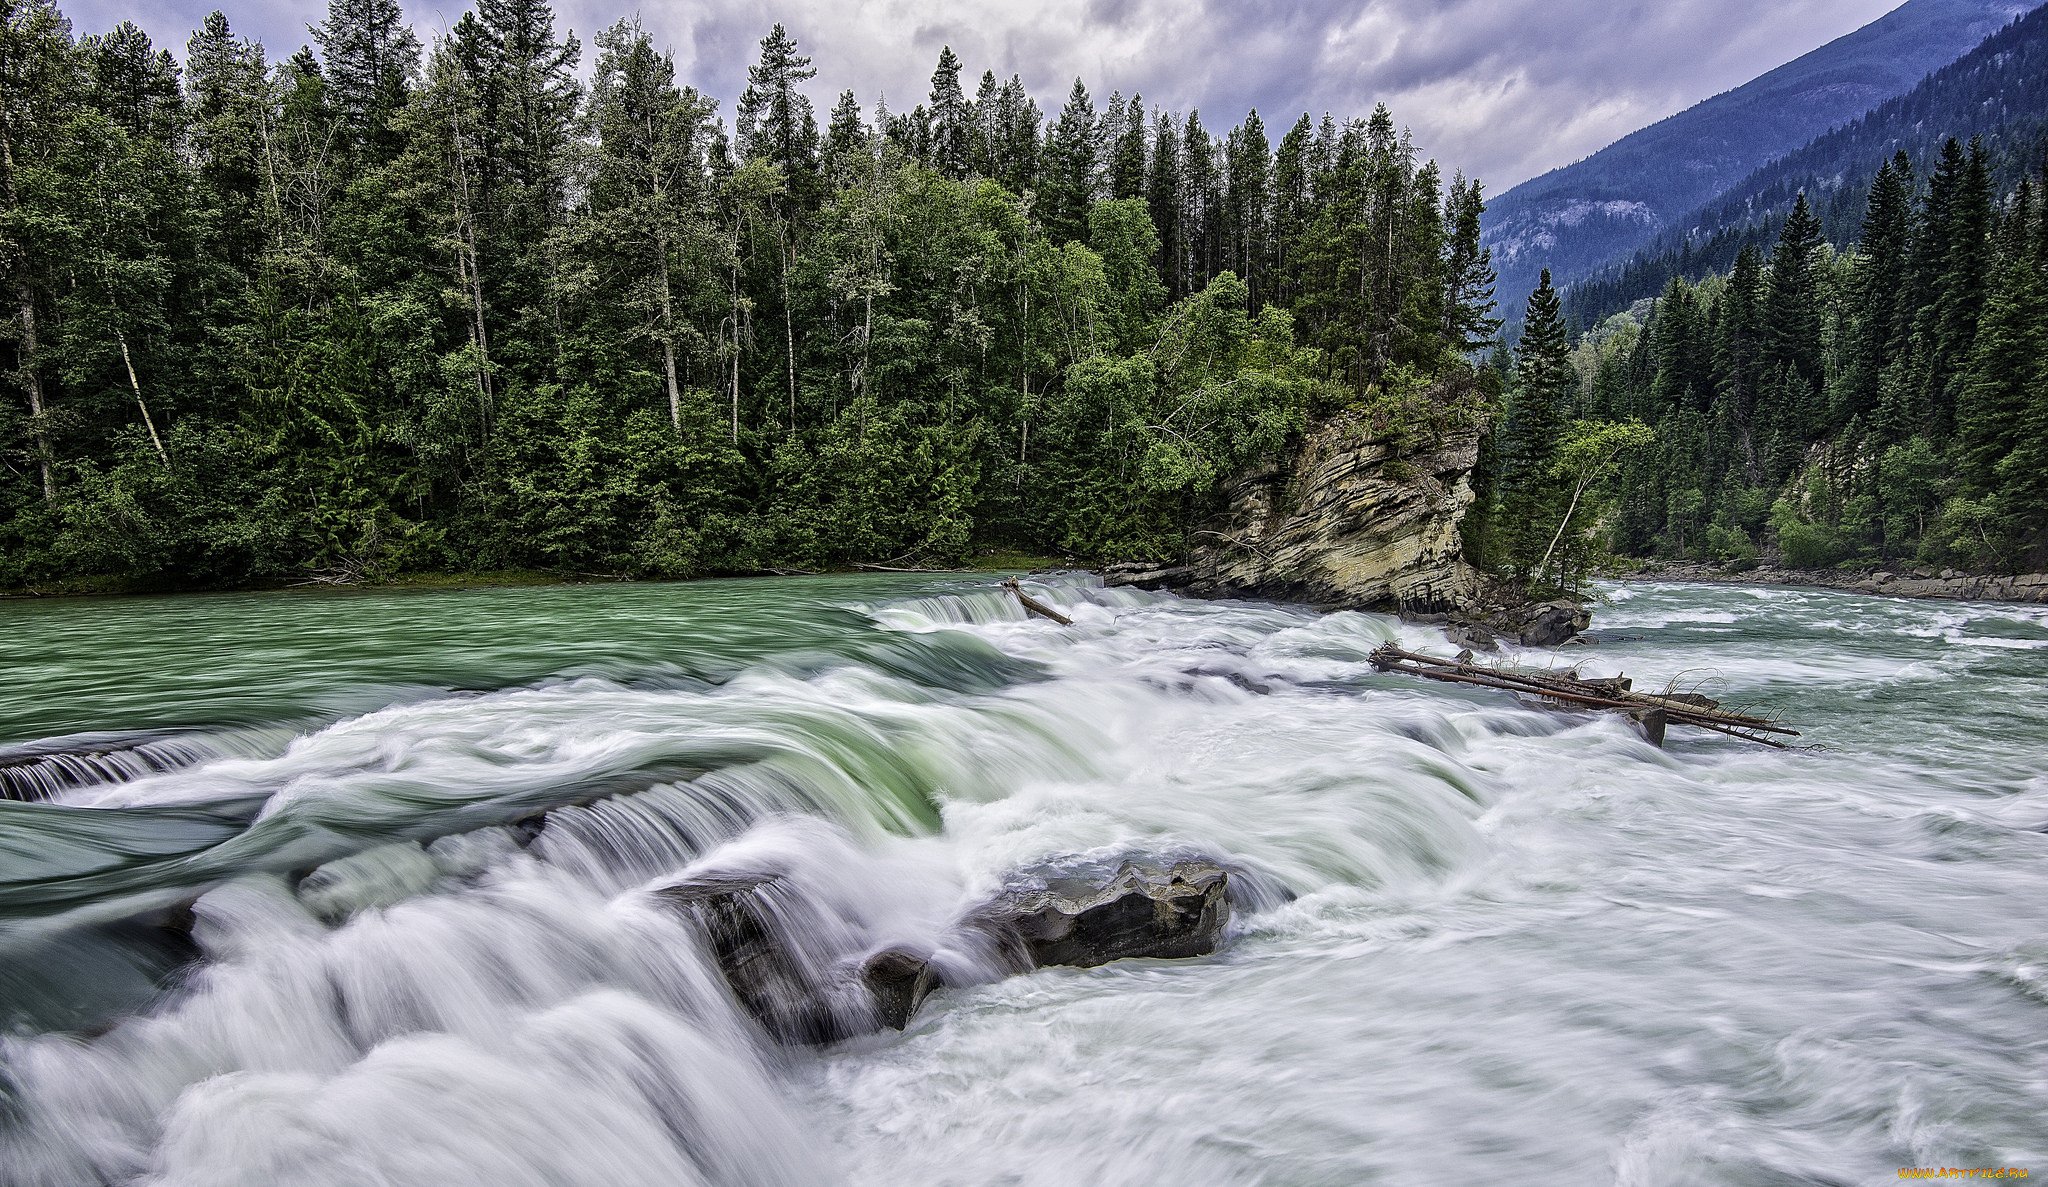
pixel 1472 635
pixel 1549 624
pixel 1142 909
pixel 750 942
pixel 899 980
pixel 770 944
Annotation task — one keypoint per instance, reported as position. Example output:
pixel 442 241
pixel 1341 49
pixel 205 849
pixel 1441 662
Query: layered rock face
pixel 1353 521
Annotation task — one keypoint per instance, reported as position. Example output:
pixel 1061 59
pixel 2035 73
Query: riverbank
pixel 1919 583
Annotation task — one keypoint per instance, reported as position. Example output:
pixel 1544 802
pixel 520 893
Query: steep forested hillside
pixel 1575 219
pixel 391 307
pixel 1998 91
pixel 1885 405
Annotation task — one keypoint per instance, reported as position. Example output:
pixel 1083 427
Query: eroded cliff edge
pixel 1361 516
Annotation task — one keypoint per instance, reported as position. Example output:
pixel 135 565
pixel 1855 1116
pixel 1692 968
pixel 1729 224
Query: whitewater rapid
pixel 1488 941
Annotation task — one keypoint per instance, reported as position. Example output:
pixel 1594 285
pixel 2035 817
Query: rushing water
pixel 1517 945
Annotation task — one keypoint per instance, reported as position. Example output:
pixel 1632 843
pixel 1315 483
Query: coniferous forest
pixel 503 301
pixel 1883 405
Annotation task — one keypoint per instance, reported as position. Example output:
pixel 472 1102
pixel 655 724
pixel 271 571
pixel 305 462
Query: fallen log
pixel 1033 605
pixel 1650 712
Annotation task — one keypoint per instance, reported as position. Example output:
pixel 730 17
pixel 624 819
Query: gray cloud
pixel 1503 89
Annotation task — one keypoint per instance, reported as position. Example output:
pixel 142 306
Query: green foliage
pixel 395 307
pixel 1888 405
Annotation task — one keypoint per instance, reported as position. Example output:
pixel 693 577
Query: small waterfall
pixel 46 771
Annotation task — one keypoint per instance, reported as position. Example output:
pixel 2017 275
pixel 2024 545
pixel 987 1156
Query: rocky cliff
pixel 1352 520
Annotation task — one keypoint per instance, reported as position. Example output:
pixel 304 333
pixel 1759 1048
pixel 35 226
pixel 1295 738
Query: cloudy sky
pixel 1504 89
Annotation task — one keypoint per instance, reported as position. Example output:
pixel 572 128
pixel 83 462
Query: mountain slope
pixel 1998 91
pixel 1575 219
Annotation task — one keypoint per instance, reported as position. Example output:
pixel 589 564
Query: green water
pixel 1485 941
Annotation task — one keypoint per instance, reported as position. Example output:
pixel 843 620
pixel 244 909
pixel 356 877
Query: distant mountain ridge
pixel 1998 91
pixel 1578 218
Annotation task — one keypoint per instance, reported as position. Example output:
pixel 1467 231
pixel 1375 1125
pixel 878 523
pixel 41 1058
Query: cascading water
pixel 428 836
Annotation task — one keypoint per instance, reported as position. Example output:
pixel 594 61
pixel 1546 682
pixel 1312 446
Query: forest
pixel 1884 405
pixel 385 307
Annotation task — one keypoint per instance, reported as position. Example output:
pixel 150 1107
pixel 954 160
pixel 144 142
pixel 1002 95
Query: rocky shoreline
pixel 1947 584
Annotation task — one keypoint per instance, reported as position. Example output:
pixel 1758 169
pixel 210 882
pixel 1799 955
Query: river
pixel 1489 942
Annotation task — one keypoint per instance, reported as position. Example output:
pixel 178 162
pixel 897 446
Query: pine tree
pixel 1792 316
pixel 371 55
pixel 1067 186
pixel 647 212
pixel 1965 276
pixel 2000 419
pixel 1127 153
pixel 954 145
pixel 776 121
pixel 1881 283
pixel 1293 199
pixel 1469 304
pixel 1247 199
pixel 848 149
pixel 1545 384
pixel 1163 202
pixel 1013 147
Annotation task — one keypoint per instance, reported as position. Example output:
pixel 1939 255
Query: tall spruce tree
pixel 954 143
pixel 370 55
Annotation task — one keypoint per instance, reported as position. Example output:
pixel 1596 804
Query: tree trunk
pixel 668 340
pixel 135 385
pixel 32 383
pixel 1576 492
pixel 734 294
pixel 25 356
pixel 788 322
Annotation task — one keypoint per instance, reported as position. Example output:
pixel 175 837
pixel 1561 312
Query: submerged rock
pixel 1548 624
pixel 899 980
pixel 1143 909
pixel 759 935
pixel 756 953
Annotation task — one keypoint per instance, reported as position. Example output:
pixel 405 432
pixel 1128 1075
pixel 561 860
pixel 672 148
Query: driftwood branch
pixel 1648 711
pixel 1033 605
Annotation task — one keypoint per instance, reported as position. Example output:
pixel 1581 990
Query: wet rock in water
pixel 1147 575
pixel 1142 909
pixel 739 917
pixel 1550 623
pixel 1472 635
pixel 1065 913
pixel 899 981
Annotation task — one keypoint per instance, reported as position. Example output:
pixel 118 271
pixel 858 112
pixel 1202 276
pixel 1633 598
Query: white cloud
pixel 1503 89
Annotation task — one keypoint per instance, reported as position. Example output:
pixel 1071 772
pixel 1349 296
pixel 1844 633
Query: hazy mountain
pixel 1998 91
pixel 1575 219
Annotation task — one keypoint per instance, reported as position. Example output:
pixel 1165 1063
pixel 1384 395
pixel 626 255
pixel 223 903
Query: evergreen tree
pixel 1127 153
pixel 2004 406
pixel 1469 302
pixel 1247 200
pixel 1792 315
pixel 1545 384
pixel 776 121
pixel 954 144
pixel 371 55
pixel 1067 184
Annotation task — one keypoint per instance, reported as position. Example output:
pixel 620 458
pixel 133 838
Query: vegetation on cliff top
pixel 386 307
